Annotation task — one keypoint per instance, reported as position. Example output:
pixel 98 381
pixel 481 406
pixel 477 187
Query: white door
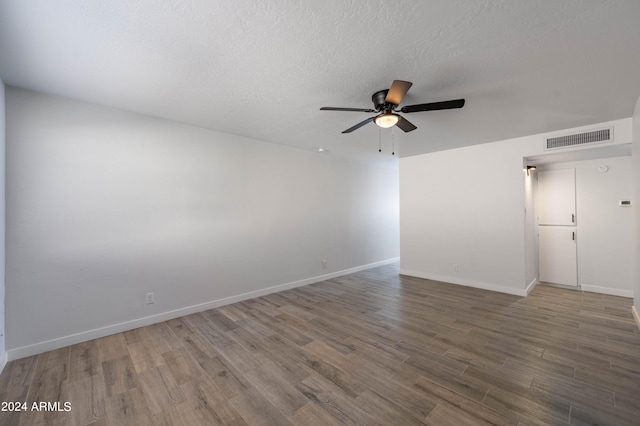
pixel 557 197
pixel 557 231
pixel 557 255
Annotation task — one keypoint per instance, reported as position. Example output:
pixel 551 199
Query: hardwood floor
pixel 366 348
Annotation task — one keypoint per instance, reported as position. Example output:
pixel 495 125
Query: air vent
pixel 578 139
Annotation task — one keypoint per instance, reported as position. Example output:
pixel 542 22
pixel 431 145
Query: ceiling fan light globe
pixel 386 120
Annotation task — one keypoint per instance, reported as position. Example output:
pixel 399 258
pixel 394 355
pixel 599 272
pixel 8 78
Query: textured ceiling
pixel 263 68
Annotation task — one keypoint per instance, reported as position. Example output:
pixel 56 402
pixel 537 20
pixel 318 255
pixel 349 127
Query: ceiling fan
pixel 386 105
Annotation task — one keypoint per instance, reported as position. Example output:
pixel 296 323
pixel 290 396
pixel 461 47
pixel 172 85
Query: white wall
pixel 3 357
pixel 466 207
pixel 604 243
pixel 104 206
pixel 636 205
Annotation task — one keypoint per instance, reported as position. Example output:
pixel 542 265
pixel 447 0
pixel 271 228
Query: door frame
pixel 536 203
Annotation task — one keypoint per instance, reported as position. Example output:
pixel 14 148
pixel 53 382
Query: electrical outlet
pixel 323 263
pixel 149 298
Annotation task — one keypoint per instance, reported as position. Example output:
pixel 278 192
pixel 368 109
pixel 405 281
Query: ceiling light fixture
pixel 386 120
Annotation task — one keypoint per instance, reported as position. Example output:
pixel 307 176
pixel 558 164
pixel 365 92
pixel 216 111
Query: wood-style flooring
pixel 368 348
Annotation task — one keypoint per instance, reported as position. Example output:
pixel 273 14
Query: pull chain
pixel 393 141
pixel 379 139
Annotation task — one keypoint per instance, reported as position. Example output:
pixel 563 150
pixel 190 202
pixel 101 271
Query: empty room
pixel 312 212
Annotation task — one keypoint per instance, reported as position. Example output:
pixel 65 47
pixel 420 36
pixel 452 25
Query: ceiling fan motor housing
pixel 378 100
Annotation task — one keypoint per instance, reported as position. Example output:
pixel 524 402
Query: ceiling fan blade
pixel 397 91
pixel 357 126
pixel 347 109
pixel 434 106
pixel 405 125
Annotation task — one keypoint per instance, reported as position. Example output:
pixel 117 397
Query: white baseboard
pixel 636 316
pixel 531 285
pixel 84 336
pixel 464 282
pixel 606 290
pixel 3 361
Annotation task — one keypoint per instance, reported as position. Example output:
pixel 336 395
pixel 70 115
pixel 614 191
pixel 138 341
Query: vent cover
pixel 577 139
